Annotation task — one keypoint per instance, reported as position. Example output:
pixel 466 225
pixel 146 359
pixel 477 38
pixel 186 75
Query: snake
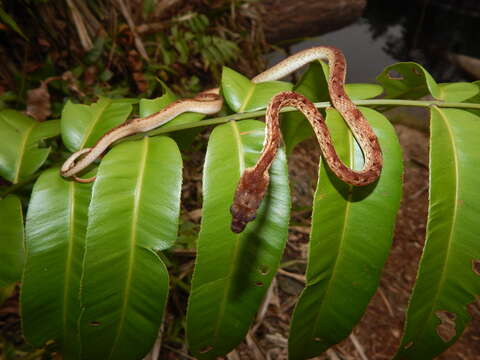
pixel 254 181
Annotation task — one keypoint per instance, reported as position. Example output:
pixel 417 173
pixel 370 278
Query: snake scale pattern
pixel 254 181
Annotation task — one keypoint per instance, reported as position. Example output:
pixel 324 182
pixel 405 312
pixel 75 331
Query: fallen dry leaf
pixel 38 102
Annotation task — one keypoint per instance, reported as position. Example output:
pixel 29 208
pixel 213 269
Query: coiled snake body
pixel 254 181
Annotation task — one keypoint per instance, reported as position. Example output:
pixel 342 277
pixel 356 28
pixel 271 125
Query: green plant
pixel 95 279
pixel 115 49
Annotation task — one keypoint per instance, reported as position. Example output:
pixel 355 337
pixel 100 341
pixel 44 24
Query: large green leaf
pixel 449 274
pixel 150 106
pixel 243 95
pixel 314 85
pixel 409 80
pixel 233 271
pixel 82 125
pixel 351 234
pixel 55 236
pixel 475 99
pixel 11 240
pixel 134 213
pixel 20 136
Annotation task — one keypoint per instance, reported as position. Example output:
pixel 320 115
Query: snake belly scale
pixel 254 181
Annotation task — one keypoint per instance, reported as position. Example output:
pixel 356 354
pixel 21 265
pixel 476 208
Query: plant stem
pixel 319 105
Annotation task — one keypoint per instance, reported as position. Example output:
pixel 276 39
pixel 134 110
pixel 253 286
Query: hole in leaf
pixel 95 323
pixel 317 339
pixel 394 75
pixel 264 269
pixel 408 345
pixel 446 329
pixel 416 71
pixel 476 266
pixel 259 283
pixel 206 349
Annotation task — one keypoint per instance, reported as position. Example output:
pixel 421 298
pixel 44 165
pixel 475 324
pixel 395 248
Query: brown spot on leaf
pixel 264 269
pixel 416 71
pixel 446 329
pixel 394 75
pixel 408 345
pixel 95 323
pixel 476 266
pixel 246 132
pixel 259 283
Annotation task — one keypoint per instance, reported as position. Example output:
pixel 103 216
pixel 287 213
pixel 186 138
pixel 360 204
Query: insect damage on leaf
pixel 446 329
pixel 476 266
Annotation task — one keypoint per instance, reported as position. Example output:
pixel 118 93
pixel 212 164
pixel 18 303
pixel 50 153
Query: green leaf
pixel 233 271
pixel 314 85
pixel 458 91
pixel 83 125
pixel 242 95
pixel 409 80
pixel 363 91
pixel 475 99
pixel 352 229
pixel 148 7
pixel 449 273
pixel 151 106
pixel 55 237
pixel 134 212
pixel 148 107
pixel 20 137
pixel 7 19
pixel 12 253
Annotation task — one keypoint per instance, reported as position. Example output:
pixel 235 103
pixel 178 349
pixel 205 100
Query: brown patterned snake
pixel 254 181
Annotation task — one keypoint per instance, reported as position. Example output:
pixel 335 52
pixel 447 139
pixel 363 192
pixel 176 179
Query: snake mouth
pixel 71 162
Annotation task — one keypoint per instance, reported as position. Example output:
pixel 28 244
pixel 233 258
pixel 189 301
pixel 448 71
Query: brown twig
pixel 358 346
pixel 297 277
pixel 85 40
pixel 138 41
pixel 386 302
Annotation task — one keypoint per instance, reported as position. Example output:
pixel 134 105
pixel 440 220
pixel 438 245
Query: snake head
pixel 249 194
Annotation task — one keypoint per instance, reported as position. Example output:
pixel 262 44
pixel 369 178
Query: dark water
pixel 429 32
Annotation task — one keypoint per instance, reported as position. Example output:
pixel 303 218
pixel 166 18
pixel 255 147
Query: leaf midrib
pixel 68 262
pixel 441 281
pixel 248 96
pixel 223 305
pixel 342 241
pixel 21 153
pixel 93 122
pixel 133 243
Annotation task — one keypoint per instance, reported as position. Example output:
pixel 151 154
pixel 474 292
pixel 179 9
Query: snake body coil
pixel 254 181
